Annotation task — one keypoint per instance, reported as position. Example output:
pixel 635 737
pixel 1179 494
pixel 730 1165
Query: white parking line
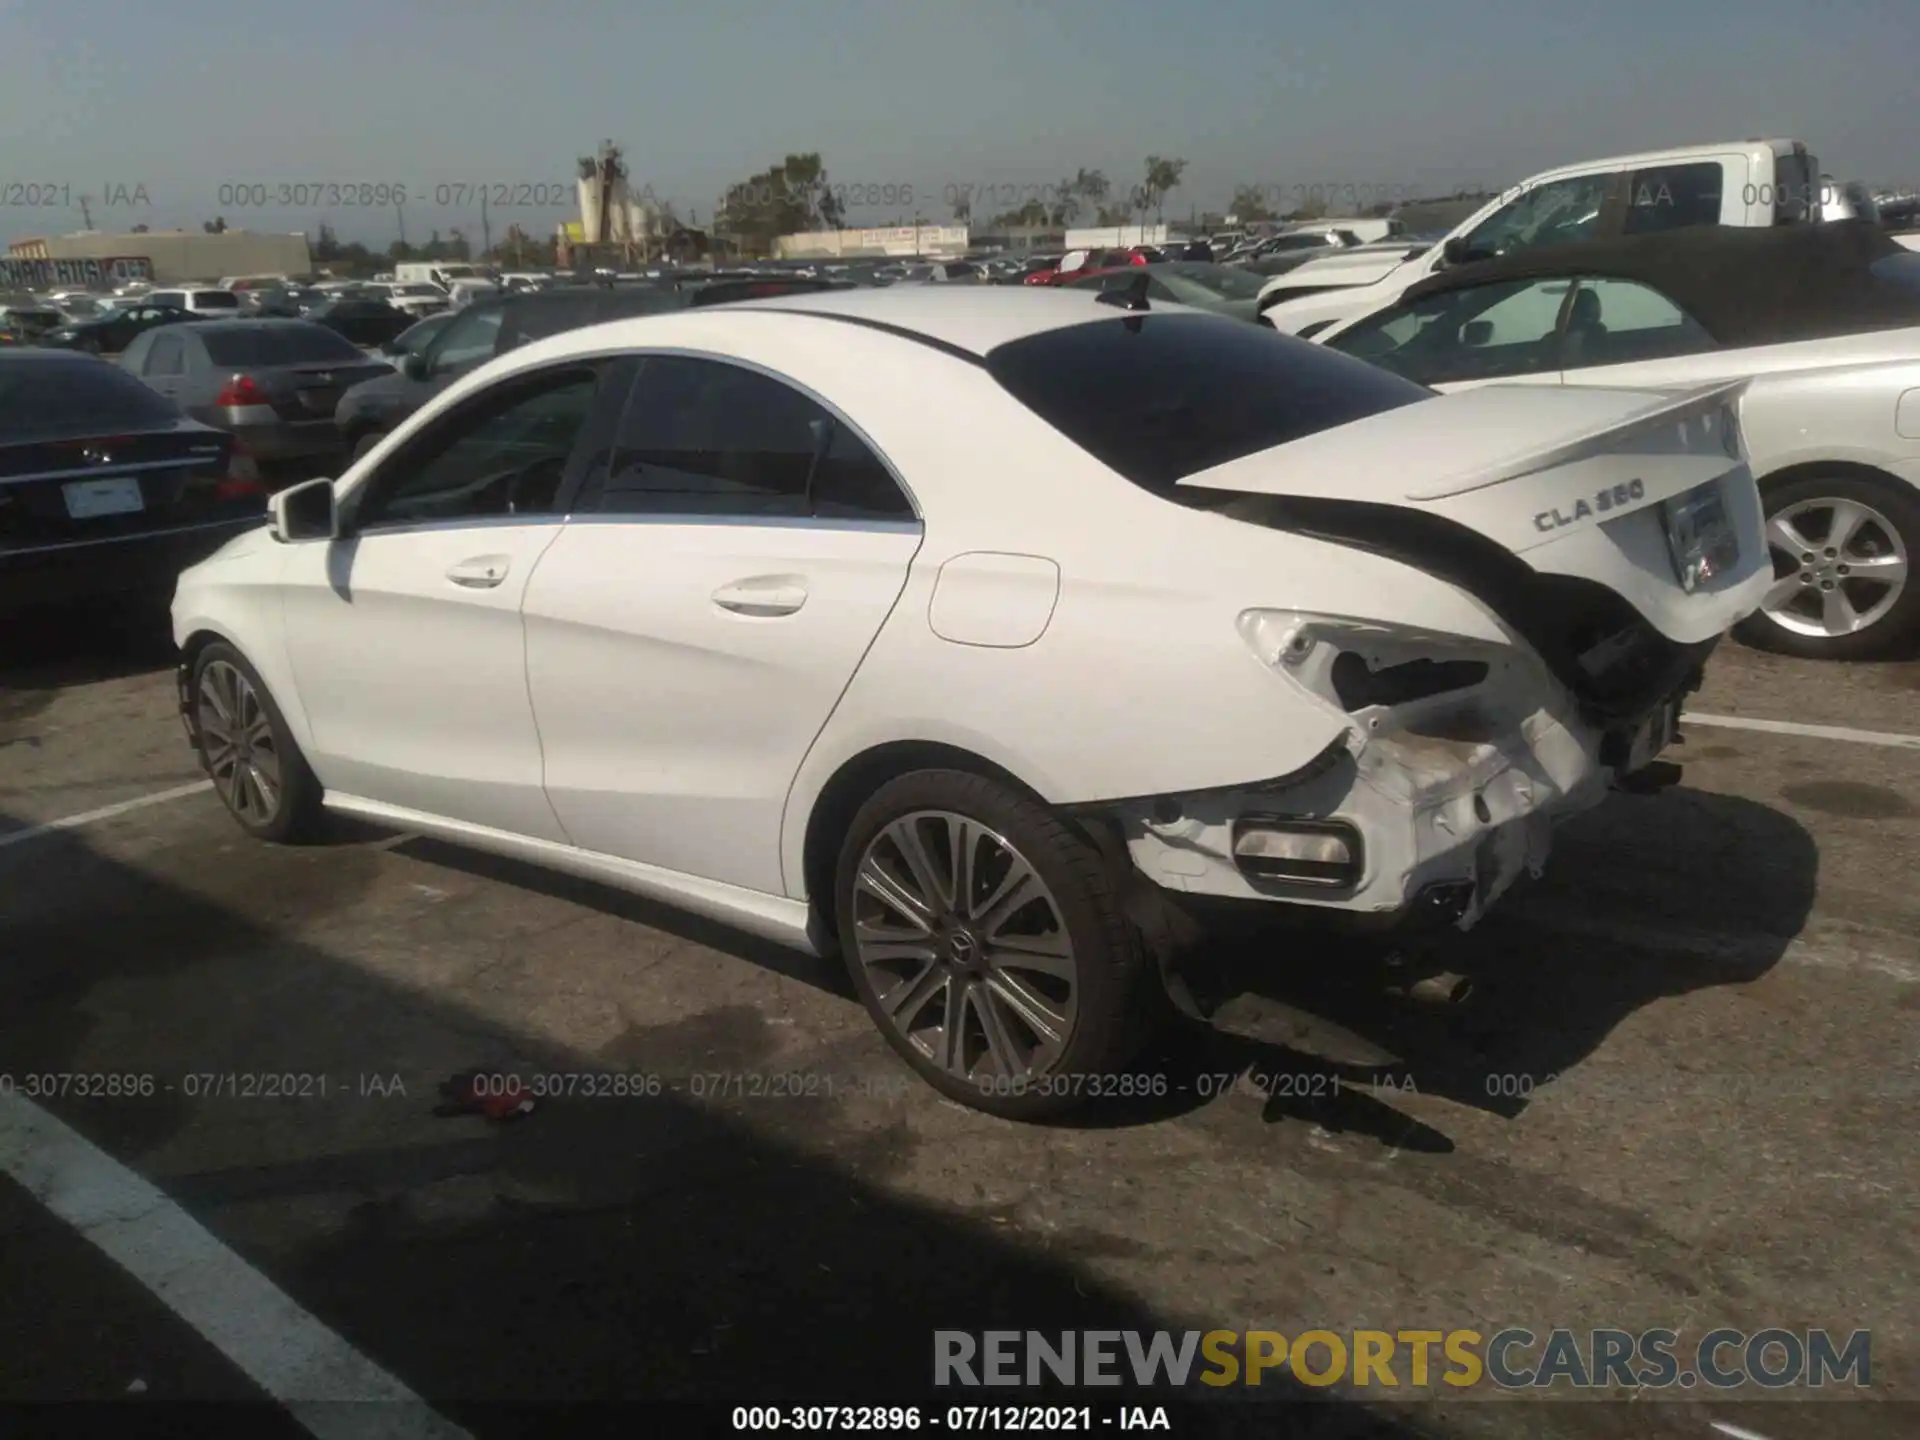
pixel 105 812
pixel 323 1382
pixel 1812 732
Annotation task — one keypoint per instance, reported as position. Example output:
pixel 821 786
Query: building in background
pixel 898 241
pixel 173 256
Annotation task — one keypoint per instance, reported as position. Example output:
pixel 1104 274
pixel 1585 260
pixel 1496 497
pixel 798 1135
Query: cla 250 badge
pixel 1611 498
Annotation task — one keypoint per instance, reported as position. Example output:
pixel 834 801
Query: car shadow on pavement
pixel 45 651
pixel 635 1249
pixel 1644 899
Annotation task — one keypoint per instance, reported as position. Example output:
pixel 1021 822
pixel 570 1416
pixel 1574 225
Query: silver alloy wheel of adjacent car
pixel 236 737
pixel 965 947
pixel 1848 567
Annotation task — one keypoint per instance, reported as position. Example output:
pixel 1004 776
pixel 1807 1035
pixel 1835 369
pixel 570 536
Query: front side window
pixel 1483 333
pixel 702 437
pixel 1618 322
pixel 1558 212
pixel 504 454
pixel 1673 197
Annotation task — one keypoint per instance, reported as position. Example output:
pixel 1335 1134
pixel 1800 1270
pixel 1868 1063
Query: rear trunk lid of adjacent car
pixel 57 491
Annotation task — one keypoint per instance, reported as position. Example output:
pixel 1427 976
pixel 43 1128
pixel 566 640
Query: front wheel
pixel 249 754
pixel 986 939
pixel 1842 547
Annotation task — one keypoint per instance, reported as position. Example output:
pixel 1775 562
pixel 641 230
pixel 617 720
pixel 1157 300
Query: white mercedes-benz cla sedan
pixel 973 633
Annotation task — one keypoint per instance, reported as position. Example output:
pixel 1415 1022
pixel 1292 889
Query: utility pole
pixel 486 226
pixel 86 212
pixel 400 214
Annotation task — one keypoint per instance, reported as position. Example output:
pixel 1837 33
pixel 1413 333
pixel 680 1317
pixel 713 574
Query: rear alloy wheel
pixel 257 770
pixel 1842 549
pixel 986 940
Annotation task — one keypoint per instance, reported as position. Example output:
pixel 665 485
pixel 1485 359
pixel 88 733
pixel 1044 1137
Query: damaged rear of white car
pixel 1611 537
pixel 1478 613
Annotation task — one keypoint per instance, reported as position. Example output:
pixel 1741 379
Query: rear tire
pixel 1015 1006
pixel 1875 527
pixel 250 755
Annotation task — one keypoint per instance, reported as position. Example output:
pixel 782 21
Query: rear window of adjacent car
pixel 216 300
pixel 1901 271
pixel 80 397
pixel 1162 397
pixel 277 345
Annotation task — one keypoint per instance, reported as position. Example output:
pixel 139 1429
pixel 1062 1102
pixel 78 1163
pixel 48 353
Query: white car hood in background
pixel 1570 478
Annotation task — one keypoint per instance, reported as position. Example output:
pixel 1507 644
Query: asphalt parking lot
pixel 1680 1092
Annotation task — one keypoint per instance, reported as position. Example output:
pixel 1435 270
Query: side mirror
pixel 1455 251
pixel 1476 332
pixel 414 366
pixel 304 512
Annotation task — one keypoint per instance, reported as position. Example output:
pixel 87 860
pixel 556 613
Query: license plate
pixel 1655 733
pixel 87 499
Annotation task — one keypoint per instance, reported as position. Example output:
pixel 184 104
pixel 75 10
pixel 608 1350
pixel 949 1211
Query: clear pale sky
pixel 183 95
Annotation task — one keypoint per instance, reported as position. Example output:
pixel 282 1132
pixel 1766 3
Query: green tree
pixel 785 199
pixel 1250 205
pixel 1162 179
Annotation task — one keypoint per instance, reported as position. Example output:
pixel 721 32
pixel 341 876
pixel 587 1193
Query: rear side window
pixel 1901 271
pixel 1673 197
pixel 1162 397
pixel 40 398
pixel 536 321
pixel 288 345
pixel 701 437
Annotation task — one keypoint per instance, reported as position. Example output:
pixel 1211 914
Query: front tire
pixel 256 768
pixel 986 939
pixel 1842 547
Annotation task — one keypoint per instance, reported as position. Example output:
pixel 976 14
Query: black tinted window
pixel 505 454
pixel 216 300
pixel 536 320
pixel 81 397
pixel 699 437
pixel 278 345
pixel 1162 397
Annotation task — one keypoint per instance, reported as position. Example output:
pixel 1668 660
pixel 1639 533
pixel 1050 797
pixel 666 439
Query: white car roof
pixel 975 319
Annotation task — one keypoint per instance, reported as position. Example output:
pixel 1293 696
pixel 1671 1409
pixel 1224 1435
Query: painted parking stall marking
pixel 329 1387
pixel 105 812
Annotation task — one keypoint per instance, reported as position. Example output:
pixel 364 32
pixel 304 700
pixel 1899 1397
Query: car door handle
pixel 777 596
pixel 483 572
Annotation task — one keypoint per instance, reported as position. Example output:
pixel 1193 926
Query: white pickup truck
pixel 1745 182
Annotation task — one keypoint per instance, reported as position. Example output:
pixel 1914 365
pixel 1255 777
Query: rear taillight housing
pixel 241 390
pixel 242 478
